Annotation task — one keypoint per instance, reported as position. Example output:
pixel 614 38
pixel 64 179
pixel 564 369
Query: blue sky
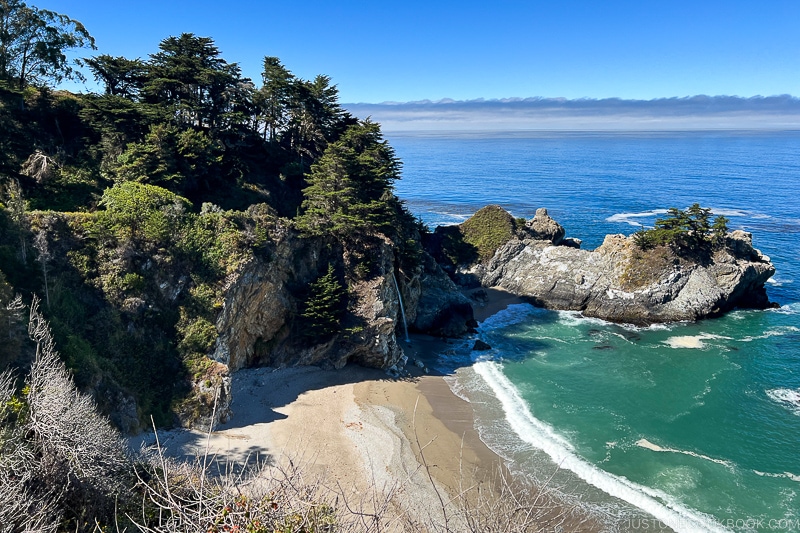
pixel 414 50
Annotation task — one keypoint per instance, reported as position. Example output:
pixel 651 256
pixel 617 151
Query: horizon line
pixel 563 99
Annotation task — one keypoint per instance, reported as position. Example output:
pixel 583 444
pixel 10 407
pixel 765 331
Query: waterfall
pixel 402 309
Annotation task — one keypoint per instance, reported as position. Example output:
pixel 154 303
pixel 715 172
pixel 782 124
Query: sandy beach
pixel 410 441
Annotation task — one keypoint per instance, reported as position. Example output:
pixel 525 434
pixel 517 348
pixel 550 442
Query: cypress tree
pixel 350 187
pixel 323 308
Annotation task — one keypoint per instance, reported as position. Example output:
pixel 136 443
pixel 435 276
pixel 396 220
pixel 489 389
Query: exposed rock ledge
pixel 621 283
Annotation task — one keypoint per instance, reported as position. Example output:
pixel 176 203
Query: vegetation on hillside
pixel 130 210
pixel 476 239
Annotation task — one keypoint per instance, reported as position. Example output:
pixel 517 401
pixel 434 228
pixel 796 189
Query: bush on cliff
pixel 489 229
pixel 476 239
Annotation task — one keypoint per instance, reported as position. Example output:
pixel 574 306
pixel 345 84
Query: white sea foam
pixel 655 327
pixel 540 435
pixel 731 213
pixel 786 475
pixel 575 318
pixel 779 282
pixel 774 332
pixel 623 337
pixel 626 218
pixel 644 443
pixel 789 398
pixel 513 314
pixel 791 309
pixel 692 341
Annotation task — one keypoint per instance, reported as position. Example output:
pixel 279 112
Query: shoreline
pixel 409 445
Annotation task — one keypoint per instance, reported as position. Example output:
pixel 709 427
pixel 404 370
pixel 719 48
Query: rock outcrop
pixel 542 227
pixel 442 309
pixel 622 283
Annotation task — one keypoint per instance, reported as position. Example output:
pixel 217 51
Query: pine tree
pixel 720 229
pixel 324 307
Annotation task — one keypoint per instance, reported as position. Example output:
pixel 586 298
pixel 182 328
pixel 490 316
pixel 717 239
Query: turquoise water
pixel 698 424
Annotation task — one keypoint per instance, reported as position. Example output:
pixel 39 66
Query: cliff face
pixel 262 302
pixel 258 324
pixel 622 283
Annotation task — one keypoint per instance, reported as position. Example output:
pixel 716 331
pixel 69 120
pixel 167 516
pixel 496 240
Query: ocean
pixel 695 424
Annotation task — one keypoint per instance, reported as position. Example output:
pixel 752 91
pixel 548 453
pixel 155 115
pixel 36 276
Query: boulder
pixel 480 346
pixel 257 322
pixel 542 227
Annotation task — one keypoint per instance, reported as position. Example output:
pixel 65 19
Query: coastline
pixel 408 446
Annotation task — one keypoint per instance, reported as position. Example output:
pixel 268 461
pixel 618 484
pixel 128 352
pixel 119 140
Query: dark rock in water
pixel 480 346
pixel 603 347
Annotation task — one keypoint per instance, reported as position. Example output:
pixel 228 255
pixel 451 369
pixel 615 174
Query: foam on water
pixel 644 443
pixel 626 217
pixel 692 341
pixel 773 332
pixel 787 475
pixel 731 213
pixel 789 398
pixel 513 314
pixel 574 318
pixel 791 309
pixel 540 435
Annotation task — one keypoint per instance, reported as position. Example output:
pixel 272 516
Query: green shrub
pixel 133 283
pixel 137 211
pixel 198 336
pixel 489 229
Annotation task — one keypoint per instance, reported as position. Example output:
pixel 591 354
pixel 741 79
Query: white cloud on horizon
pixel 610 114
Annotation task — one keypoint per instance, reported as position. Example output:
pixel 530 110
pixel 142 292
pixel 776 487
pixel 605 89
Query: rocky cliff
pixel 261 307
pixel 621 282
pixel 259 326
